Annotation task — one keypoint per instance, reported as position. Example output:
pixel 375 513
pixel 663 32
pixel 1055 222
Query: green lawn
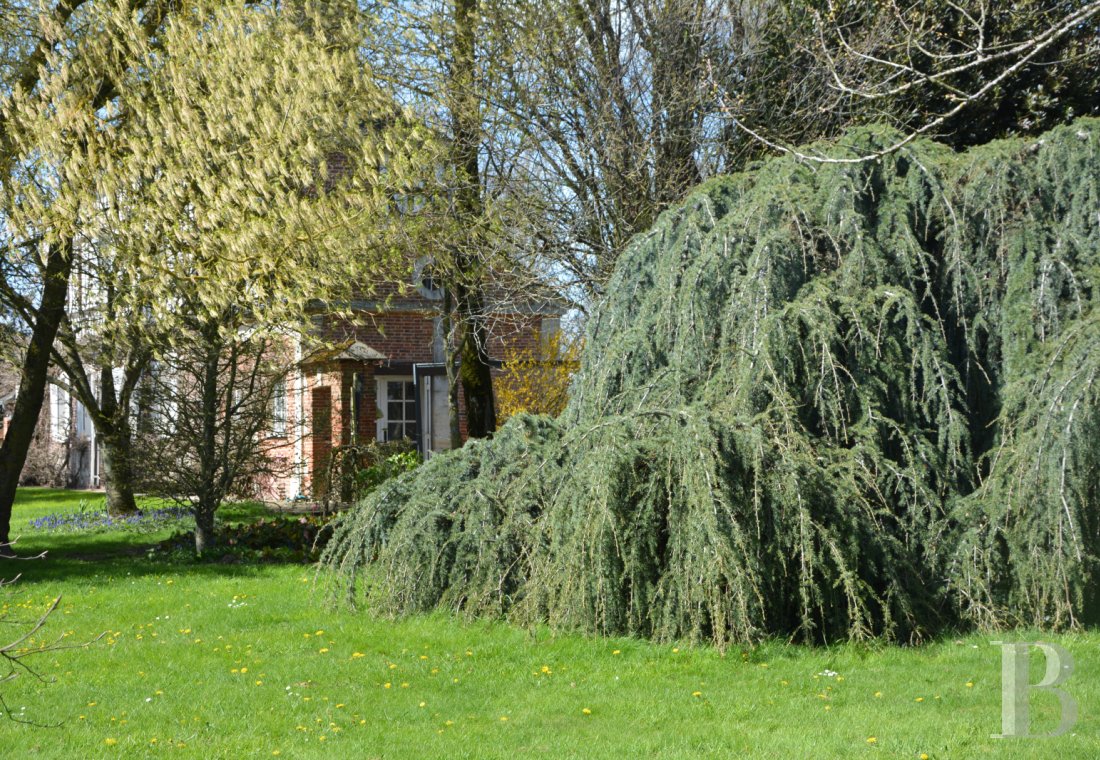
pixel 232 661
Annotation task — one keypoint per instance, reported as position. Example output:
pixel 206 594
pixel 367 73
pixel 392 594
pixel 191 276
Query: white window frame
pixel 279 411
pixel 60 414
pixel 381 400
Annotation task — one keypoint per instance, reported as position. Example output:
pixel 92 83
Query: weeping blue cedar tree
pixel 818 401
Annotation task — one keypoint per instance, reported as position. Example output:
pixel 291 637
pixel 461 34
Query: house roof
pixel 351 350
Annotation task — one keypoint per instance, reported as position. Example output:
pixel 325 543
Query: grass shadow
pixel 93 555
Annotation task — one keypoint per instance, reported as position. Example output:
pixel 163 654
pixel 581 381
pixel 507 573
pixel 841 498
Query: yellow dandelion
pixel 696 693
pixel 323 650
pixel 919 699
pixel 871 740
pixel 970 684
pixel 878 694
pixel 503 718
pixel 586 711
pixel 616 652
pixel 110 742
pixel 923 756
pixel 405 685
pixel 675 650
pixel 387 685
pixel 357 655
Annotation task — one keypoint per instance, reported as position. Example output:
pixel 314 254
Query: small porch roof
pixel 349 350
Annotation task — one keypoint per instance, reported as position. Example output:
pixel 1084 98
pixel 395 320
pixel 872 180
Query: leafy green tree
pixel 35 267
pixel 244 163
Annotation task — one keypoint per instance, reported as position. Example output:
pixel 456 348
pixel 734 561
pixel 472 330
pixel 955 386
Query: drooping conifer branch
pixel 818 401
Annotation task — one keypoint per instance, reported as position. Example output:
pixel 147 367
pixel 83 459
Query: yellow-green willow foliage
pixel 243 160
pixel 817 401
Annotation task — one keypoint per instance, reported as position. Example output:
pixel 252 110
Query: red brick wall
pixel 402 336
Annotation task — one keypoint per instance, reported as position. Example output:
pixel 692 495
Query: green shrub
pixel 382 469
pixel 298 538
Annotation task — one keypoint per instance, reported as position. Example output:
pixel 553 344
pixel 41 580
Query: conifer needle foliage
pixel 818 401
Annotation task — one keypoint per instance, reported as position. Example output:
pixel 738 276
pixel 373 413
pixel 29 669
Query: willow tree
pixel 36 266
pixel 818 401
pixel 245 163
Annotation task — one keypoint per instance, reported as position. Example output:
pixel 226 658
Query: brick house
pixel 382 377
pixel 379 377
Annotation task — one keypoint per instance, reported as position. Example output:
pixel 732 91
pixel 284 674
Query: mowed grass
pixel 232 661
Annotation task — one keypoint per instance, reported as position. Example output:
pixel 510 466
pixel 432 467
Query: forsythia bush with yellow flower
pixel 536 380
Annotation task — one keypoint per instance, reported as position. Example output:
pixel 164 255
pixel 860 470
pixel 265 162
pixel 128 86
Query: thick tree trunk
pixel 204 525
pixel 32 387
pixel 474 369
pixel 450 359
pixel 113 428
pixel 118 470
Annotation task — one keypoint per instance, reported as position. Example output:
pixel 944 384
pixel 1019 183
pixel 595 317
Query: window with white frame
pixel 83 421
pixel 60 410
pixel 278 409
pixel 397 404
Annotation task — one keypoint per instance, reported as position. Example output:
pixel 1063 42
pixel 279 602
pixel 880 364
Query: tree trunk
pixel 32 388
pixel 208 498
pixel 118 473
pixel 474 369
pixel 450 359
pixel 204 525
